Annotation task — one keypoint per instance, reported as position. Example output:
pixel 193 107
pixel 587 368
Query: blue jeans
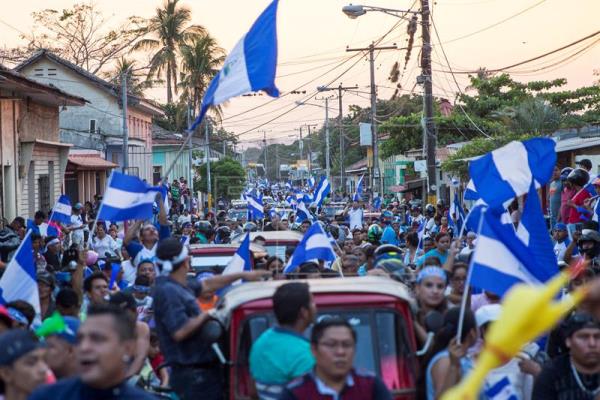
pixel 197 383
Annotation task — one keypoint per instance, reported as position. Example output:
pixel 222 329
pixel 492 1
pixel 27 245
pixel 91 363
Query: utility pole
pixel 277 162
pixel 265 144
pixel 125 127
pixel 428 126
pixel 207 153
pixel 327 151
pixel 224 147
pixel 376 181
pixel 340 89
pixel 190 158
pixel 301 149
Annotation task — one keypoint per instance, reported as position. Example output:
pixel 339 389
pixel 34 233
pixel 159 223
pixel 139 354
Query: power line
pixel 494 24
pixel 455 81
pixel 533 58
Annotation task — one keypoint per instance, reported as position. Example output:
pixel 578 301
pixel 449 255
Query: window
pixel 44 193
pixel 38 72
pixel 156 174
pixel 51 71
pixel 383 346
pixel 92 126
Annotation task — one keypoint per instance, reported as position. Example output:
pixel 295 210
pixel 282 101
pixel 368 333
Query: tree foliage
pixel 228 176
pixel 79 34
pixel 169 31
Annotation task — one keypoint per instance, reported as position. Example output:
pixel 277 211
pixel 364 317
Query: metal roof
pixel 272 235
pixel 90 162
pixel 251 291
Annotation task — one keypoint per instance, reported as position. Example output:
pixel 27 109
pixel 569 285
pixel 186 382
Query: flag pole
pixel 89 242
pixel 463 303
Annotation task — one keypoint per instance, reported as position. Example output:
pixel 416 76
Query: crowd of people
pixel 131 307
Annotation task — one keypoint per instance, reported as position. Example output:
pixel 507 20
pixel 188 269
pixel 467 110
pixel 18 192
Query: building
pixel 32 158
pixel 98 125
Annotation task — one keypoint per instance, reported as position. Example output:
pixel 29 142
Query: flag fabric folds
pixel 302 213
pixel 241 260
pixel 359 190
pixel 249 67
pixel 255 207
pixel 19 281
pixel 61 212
pixel 504 257
pixel 322 190
pixel 377 203
pixel 127 197
pixel 315 245
pixel 456 215
pixel 507 172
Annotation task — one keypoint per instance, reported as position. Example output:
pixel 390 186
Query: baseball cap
pixel 78 206
pixel 69 334
pixel 487 313
pixel 585 163
pixel 46 277
pixel 560 227
pixel 578 321
pixel 15 343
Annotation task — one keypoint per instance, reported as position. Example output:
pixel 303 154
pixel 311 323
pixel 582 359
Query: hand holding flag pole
pixel 527 312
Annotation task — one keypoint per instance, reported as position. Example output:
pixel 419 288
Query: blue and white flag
pixel 127 197
pixel 241 260
pixel 61 212
pixel 507 172
pixel 377 203
pixel 311 182
pixel 504 257
pixel 249 67
pixel 359 190
pixel 255 207
pixel 471 191
pixel 19 281
pixel 322 191
pixel 315 245
pixel 456 215
pixel 288 185
pixel 302 213
pixel 596 214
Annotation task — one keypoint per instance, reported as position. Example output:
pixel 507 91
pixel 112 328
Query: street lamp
pixel 430 139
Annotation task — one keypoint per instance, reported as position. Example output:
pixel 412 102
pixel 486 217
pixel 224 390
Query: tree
pixel 80 35
pixel 228 177
pixel 170 34
pixel 135 83
pixel 201 59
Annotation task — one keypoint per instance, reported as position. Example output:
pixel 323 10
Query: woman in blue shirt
pixel 442 244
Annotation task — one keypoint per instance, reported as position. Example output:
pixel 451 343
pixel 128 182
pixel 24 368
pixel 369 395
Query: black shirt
pixel 74 389
pixel 174 305
pixel 557 382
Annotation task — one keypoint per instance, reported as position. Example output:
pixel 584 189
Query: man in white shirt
pixel 76 226
pixel 355 215
pixel 184 217
pixel 561 240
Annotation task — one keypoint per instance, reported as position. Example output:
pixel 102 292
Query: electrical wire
pixel 493 25
pixel 455 81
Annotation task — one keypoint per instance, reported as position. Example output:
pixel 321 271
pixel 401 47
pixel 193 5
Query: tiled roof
pixel 90 161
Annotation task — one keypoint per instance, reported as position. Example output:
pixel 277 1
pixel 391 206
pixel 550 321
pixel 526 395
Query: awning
pixel 414 184
pixel 90 162
pixel 397 188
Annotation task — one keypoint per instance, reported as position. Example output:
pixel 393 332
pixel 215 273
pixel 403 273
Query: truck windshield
pixel 382 344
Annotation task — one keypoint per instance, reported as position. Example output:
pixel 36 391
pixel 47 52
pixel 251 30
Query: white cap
pixel 487 313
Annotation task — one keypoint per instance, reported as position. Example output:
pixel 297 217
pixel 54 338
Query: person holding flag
pixel 355 215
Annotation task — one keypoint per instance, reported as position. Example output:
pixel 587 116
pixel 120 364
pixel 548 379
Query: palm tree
pixel 201 60
pixel 135 85
pixel 168 27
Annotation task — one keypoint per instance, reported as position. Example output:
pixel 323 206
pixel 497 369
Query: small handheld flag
pixel 61 212
pixel 314 245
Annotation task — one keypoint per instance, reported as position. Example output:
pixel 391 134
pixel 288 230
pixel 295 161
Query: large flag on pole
pixel 249 67
pixel 127 197
pixel 19 281
pixel 322 191
pixel 507 172
pixel 359 190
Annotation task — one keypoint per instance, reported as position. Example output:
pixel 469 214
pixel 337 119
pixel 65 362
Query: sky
pixel 313 36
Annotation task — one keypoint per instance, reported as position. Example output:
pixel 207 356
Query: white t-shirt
pixel 129 271
pixel 356 218
pixel 184 218
pixel 105 245
pixel 560 249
